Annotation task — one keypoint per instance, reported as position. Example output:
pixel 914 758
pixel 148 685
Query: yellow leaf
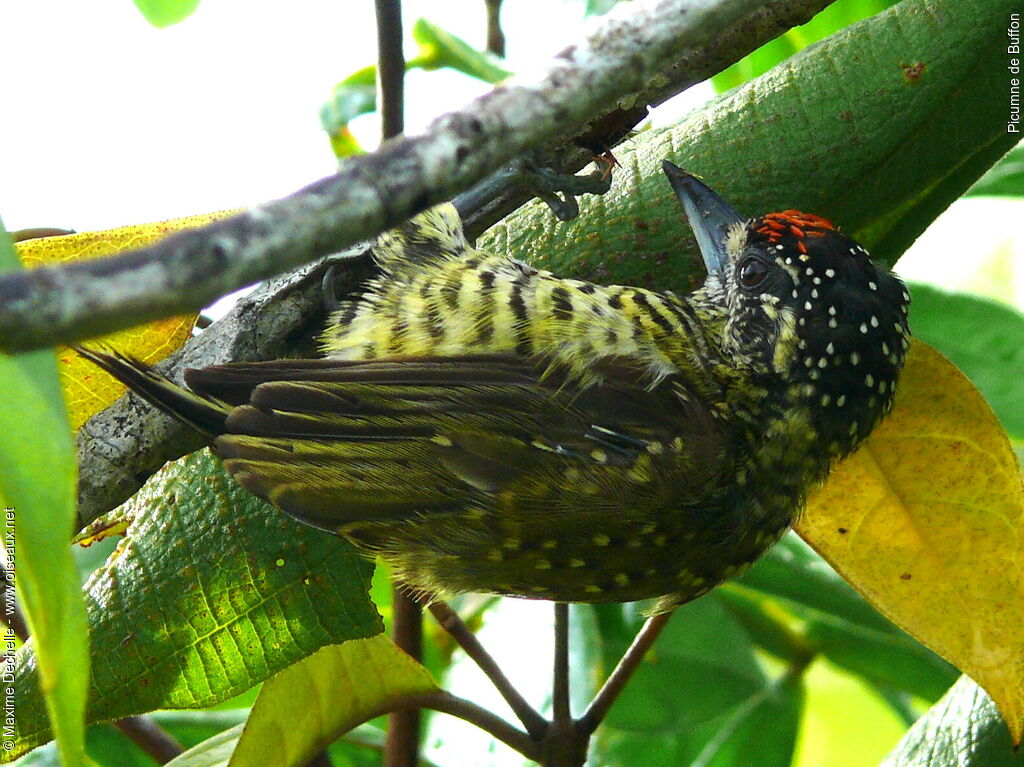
pixel 87 389
pixel 926 520
pixel 310 704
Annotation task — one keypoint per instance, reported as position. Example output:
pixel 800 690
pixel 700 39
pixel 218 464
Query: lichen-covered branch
pixel 643 52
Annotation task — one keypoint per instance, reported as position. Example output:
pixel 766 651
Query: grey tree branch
pixel 122 446
pixel 640 54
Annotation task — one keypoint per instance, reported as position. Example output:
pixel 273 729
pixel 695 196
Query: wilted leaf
pixel 310 704
pixel 925 521
pixel 89 390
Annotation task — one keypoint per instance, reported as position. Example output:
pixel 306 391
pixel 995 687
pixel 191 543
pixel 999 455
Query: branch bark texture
pixel 638 54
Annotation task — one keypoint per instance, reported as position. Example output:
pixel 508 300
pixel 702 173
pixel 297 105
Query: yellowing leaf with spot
pixel 310 704
pixel 926 520
pixel 87 389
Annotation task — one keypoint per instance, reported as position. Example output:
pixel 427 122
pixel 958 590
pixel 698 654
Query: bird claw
pixel 546 183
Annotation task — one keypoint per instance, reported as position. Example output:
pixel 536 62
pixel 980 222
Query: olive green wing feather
pixel 338 443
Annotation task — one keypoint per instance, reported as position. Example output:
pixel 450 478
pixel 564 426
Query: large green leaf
pixel 833 620
pixel 836 16
pixel 850 128
pixel 964 729
pixel 700 697
pixel 38 477
pixel 211 592
pixel 1005 179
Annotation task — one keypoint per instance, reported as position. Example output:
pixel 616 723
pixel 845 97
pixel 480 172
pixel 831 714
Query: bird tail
pixel 206 415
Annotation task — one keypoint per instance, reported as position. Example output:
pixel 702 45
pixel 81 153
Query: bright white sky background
pixel 108 121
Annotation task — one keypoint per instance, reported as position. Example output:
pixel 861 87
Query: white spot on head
pixel 869 380
pixel 795 294
pixel 832 323
pixel 830 272
pixel 874 321
pixel 830 349
pixel 807 305
pixel 823 363
pixel 816 280
pixel 854 358
pixel 882 386
pixel 825 399
pixel 863 328
pixel 841 400
pixel 872 285
pixel 810 271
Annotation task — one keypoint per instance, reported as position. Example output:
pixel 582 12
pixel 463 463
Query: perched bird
pixel 486 426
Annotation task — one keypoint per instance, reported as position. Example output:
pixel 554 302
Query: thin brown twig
pixel 534 723
pixel 150 737
pixel 470 712
pixel 602 702
pixel 560 683
pixel 390 67
pixel 495 37
pixel 402 746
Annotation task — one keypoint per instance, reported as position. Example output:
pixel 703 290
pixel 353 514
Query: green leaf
pixel 706 656
pixel 357 94
pixel 1005 179
pixel 211 592
pixel 439 49
pixel 836 130
pixel 599 7
pixel 304 708
pixel 38 481
pixel 763 730
pixel 964 729
pixel 836 621
pixel 164 13
pixel 983 339
pixel 214 752
pixel 836 16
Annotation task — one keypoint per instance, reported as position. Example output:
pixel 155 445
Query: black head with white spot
pixel 815 320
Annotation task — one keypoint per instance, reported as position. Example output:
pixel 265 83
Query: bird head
pixel 807 311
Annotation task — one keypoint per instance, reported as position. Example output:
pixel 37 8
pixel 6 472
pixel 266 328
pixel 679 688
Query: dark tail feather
pixel 206 416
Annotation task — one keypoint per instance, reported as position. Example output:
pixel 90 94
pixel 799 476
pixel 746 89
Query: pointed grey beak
pixel 710 216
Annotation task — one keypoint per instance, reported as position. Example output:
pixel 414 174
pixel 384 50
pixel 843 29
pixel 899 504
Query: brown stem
pixel 402 746
pixel 150 737
pixel 495 37
pixel 390 67
pixel 322 759
pixel 470 712
pixel 560 683
pixel 534 723
pixel 598 708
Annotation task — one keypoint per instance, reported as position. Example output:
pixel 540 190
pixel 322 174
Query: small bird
pixel 486 426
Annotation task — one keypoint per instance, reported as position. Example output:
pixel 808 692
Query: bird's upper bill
pixel 713 220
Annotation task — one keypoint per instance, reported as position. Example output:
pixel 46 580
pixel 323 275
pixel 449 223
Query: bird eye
pixel 752 272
